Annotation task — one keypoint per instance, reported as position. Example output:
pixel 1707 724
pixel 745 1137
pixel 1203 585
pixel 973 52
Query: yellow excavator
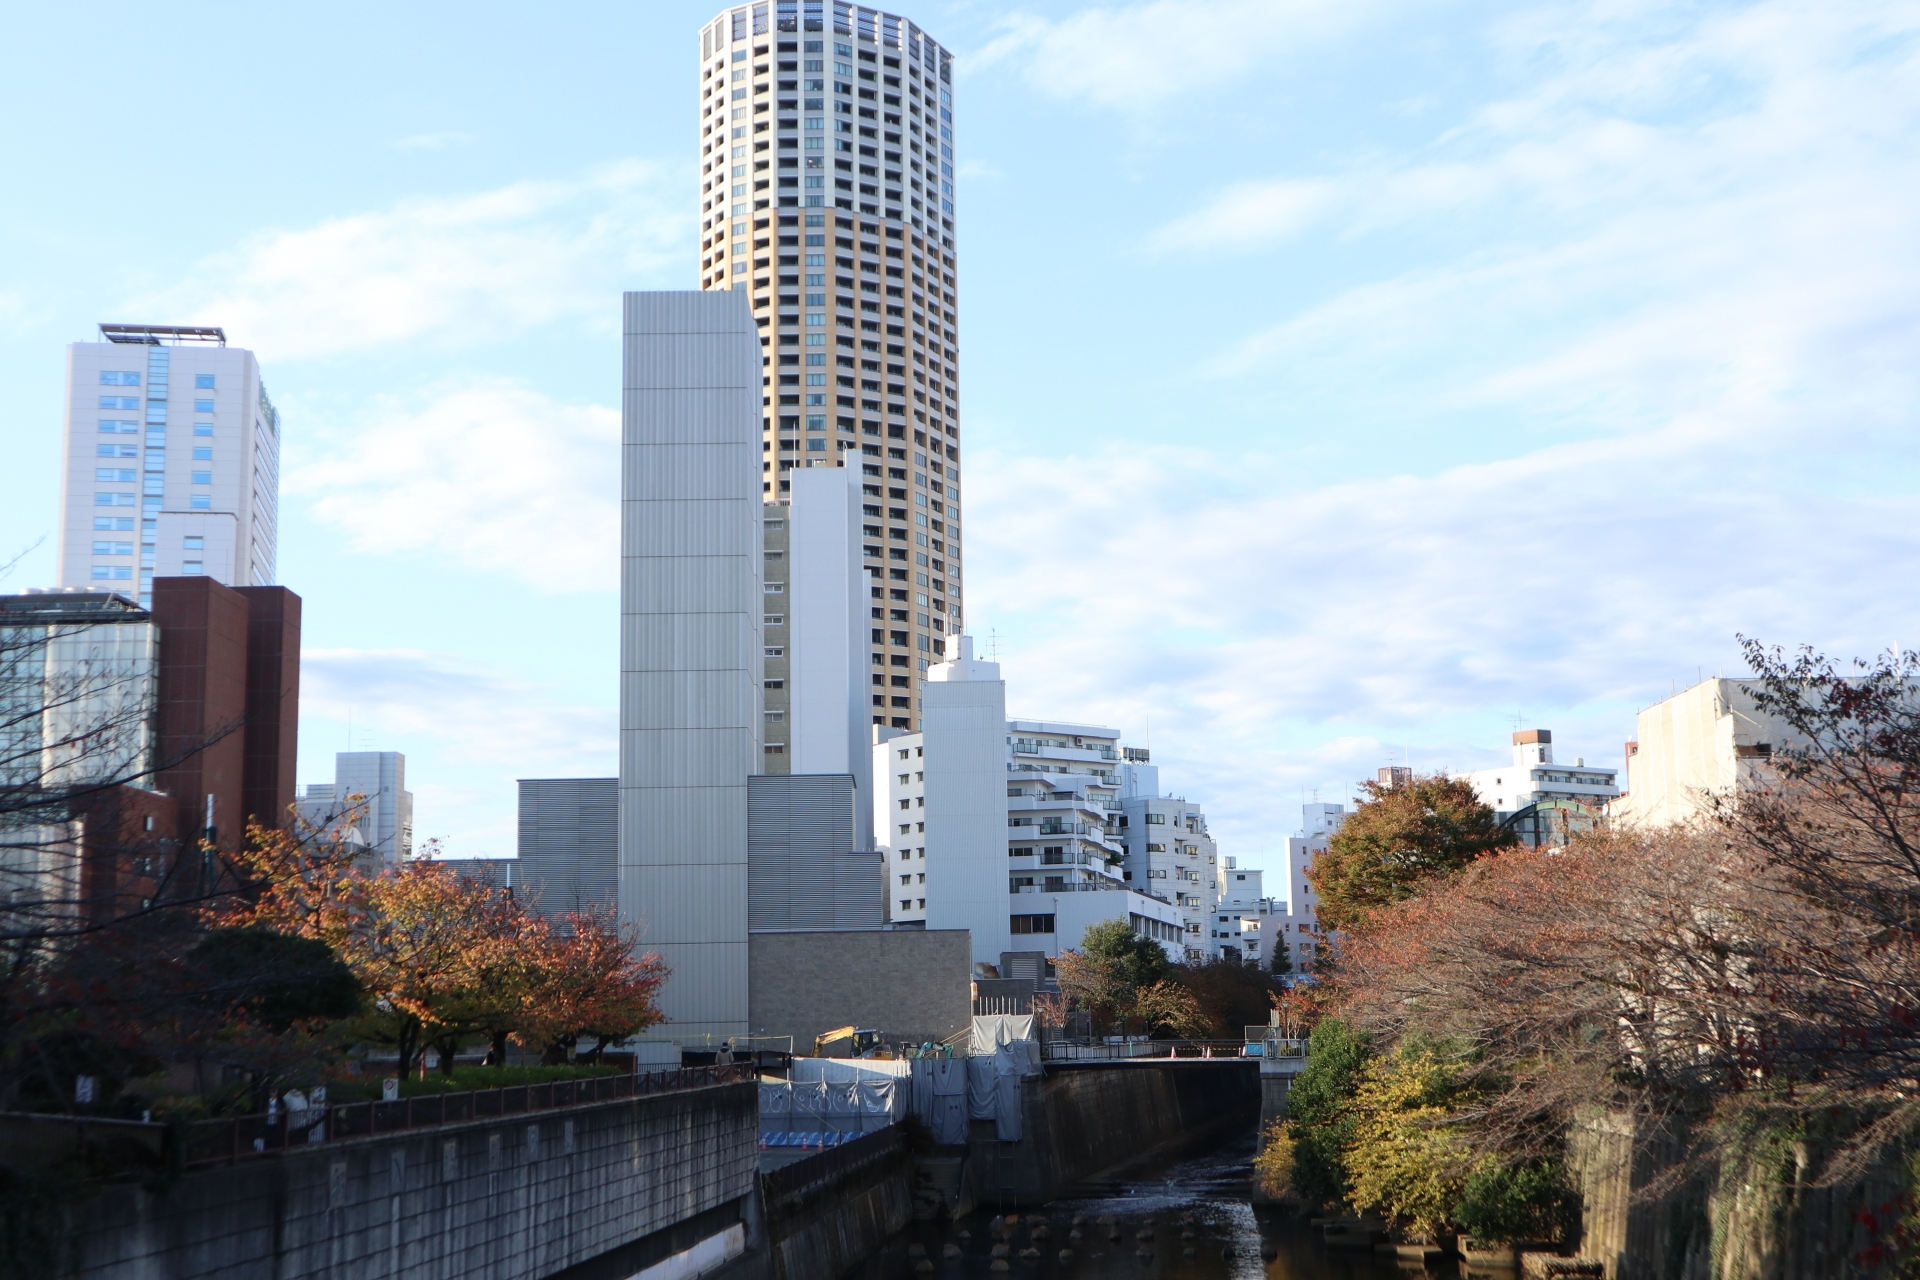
pixel 850 1042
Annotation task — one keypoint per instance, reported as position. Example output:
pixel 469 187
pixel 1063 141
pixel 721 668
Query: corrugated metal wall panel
pixel 803 874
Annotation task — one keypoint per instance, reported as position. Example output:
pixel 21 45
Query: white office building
pixel 367 805
pixel 173 462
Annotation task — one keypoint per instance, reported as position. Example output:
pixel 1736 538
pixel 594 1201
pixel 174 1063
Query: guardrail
pixel 213 1142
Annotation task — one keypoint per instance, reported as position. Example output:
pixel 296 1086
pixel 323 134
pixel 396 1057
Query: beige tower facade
pixel 826 165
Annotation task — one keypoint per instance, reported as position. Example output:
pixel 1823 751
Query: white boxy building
pixel 1007 828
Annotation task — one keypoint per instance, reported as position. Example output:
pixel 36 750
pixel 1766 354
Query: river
pixel 1199 1205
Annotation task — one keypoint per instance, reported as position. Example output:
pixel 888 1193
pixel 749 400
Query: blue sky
pixel 1345 382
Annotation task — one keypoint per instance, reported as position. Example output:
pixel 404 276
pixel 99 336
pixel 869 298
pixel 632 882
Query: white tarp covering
pixel 810 1069
pixel 848 1105
pixel 940 1097
pixel 991 1030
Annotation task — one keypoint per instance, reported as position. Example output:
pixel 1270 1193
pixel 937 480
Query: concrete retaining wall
pixel 517 1198
pixel 826 1230
pixel 1081 1119
pixel 1757 1211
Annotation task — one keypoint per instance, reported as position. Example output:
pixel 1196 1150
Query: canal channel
pixel 1187 1218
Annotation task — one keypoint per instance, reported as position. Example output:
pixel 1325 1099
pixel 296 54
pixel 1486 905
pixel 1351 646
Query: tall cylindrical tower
pixel 826 195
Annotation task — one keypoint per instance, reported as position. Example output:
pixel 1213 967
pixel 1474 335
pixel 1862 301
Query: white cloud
pixel 1131 57
pixel 431 141
pixel 478 714
pixel 492 476
pixel 468 729
pixel 452 270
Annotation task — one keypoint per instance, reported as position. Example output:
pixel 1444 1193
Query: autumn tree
pixel 1123 979
pixel 587 983
pixel 1231 994
pixel 1399 839
pixel 437 953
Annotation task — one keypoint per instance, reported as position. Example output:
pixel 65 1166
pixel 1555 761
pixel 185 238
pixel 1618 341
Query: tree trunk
pixel 409 1040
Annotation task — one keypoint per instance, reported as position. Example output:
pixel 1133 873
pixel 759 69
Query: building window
pixel 203 453
pixel 193 542
pixel 112 571
pixel 200 502
pixel 1030 924
pixel 192 566
pixel 203 381
pixel 116 378
pixel 203 406
pixel 775 749
pixel 203 477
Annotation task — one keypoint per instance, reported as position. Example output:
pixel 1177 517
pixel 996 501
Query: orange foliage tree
pixel 447 958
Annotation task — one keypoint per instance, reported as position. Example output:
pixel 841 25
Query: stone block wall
pixel 515 1198
pixel 913 983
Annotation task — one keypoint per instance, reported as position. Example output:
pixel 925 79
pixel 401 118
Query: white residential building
pixel 1299 932
pixel 173 462
pixel 827 204
pixel 1034 868
pixel 1533 778
pixel 1246 923
pixel 366 804
pixel 1171 856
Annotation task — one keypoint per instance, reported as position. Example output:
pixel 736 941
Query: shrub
pixel 1523 1202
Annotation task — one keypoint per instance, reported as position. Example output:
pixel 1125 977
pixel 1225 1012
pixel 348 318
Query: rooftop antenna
pixel 993 643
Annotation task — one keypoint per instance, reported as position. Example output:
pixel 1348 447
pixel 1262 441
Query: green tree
pixel 1396 841
pixel 1320 1112
pixel 1120 978
pixel 274 979
pixel 1140 961
pixel 1408 1157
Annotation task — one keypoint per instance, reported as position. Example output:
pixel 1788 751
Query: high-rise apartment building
pixel 826 145
pixel 173 462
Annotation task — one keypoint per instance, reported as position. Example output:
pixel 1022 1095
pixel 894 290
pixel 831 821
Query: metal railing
pixel 211 1142
pixel 1113 1048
